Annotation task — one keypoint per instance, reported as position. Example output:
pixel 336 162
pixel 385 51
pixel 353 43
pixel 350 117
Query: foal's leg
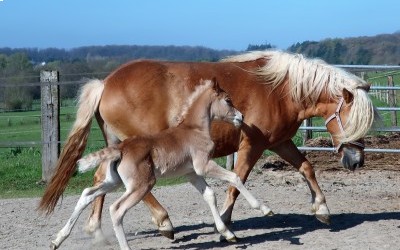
pixel 289 152
pixel 209 196
pixel 159 215
pixel 213 170
pixel 138 180
pixel 248 154
pixel 88 195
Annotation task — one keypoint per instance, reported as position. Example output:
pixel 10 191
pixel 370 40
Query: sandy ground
pixel 365 208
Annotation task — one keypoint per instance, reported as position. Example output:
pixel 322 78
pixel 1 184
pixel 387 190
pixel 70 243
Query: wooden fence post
pixel 308 133
pixel 50 107
pixel 392 100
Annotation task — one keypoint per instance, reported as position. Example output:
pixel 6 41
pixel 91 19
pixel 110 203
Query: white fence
pixel 384 93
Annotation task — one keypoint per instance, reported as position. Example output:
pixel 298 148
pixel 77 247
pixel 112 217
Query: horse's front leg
pixel 289 152
pixel 247 156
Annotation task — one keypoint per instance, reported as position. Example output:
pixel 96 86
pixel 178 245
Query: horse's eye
pixel 228 101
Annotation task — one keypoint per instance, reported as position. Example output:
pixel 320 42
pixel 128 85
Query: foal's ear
pixel 347 96
pixel 216 86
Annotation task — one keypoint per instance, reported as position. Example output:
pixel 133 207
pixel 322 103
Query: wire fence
pixel 22 128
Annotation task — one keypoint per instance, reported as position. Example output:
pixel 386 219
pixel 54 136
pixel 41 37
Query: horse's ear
pixel 216 85
pixel 347 96
pixel 365 87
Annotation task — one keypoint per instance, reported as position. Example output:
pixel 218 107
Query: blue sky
pixel 218 24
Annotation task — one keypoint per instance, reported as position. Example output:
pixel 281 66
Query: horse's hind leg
pixel 88 195
pixel 208 194
pixel 159 216
pixel 93 223
pixel 289 152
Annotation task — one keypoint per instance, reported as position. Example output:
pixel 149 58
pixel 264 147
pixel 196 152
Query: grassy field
pixel 21 165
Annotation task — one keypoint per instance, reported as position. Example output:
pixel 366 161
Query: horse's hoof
pixel 324 218
pixel 270 213
pixel 230 240
pixel 168 234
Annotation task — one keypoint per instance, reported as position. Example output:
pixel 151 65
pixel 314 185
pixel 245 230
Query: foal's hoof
pixel 53 246
pixel 324 218
pixel 270 213
pixel 168 234
pixel 266 210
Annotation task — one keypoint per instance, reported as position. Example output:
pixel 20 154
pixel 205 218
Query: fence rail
pixel 359 69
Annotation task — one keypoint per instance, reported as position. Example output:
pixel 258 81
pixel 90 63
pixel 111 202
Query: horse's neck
pixel 198 115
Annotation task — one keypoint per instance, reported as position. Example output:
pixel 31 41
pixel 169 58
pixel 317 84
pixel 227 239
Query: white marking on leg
pixel 215 171
pixel 208 194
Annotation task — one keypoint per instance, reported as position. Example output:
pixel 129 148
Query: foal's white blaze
pixel 238 119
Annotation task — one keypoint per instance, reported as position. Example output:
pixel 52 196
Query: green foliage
pixel 264 46
pixel 380 49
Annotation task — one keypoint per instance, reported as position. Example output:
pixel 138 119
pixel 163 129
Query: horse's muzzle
pixel 352 157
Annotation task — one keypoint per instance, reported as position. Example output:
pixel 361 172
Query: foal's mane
pixel 200 89
pixel 309 78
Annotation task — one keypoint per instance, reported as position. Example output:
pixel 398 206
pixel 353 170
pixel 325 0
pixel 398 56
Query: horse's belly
pixel 171 172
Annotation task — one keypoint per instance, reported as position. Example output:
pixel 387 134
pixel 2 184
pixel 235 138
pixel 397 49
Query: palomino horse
pixel 274 90
pixel 184 150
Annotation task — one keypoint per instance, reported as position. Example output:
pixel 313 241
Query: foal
pixel 183 150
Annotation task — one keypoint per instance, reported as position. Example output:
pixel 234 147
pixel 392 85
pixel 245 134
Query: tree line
pixel 22 65
pixel 379 50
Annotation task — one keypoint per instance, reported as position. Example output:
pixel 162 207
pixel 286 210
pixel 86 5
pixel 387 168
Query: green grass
pixel 21 171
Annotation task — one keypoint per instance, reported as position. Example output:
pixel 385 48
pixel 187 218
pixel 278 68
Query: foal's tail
pixel 94 159
pixel 89 100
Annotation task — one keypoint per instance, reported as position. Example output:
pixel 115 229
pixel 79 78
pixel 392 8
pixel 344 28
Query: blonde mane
pixel 308 78
pixel 204 84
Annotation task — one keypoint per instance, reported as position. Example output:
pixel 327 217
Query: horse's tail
pixel 94 159
pixel 88 104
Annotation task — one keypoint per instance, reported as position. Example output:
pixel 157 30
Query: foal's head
pixel 222 108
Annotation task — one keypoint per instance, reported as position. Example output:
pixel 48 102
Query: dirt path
pixel 365 208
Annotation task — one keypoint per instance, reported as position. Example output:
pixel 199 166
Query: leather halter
pixel 339 121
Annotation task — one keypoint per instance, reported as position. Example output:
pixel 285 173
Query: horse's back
pixel 136 99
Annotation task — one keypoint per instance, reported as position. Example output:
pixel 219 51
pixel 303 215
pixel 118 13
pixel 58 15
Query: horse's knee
pixel 307 170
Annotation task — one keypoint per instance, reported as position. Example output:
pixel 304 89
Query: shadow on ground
pixel 285 227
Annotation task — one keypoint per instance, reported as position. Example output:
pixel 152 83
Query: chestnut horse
pixel 184 150
pixel 274 90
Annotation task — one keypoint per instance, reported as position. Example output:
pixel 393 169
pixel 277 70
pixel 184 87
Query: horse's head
pixel 348 120
pixel 222 107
